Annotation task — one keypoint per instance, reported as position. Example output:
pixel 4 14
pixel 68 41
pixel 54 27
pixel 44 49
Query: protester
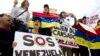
pixel 46 9
pixel 63 19
pixel 66 21
pixel 46 31
pixel 66 18
pixel 63 16
pixel 36 26
pixel 6 35
pixel 21 14
pixel 97 51
pixel 82 49
pixel 98 25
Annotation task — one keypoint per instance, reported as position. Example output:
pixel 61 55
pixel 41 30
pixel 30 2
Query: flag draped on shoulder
pixel 87 36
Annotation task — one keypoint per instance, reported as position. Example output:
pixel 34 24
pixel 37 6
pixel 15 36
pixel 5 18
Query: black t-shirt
pixel 6 38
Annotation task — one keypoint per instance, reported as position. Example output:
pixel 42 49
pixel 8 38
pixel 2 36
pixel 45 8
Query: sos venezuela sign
pixel 29 44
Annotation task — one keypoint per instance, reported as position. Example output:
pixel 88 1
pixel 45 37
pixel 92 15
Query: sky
pixel 78 7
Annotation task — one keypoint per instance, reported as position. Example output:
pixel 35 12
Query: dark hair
pixel 1 15
pixel 61 14
pixel 84 17
pixel 98 22
pixel 46 5
pixel 37 18
pixel 23 3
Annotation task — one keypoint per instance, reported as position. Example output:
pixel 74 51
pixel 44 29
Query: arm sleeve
pixel 14 12
pixel 5 43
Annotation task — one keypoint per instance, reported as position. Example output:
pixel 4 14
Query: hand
pixel 72 15
pixel 15 3
pixel 14 44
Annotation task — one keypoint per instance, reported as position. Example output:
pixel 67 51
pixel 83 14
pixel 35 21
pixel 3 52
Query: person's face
pixel 46 10
pixel 98 23
pixel 6 20
pixel 64 15
pixel 84 21
pixel 37 24
pixel 26 4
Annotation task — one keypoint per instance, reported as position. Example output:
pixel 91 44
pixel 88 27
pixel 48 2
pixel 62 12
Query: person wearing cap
pixel 6 35
pixel 36 26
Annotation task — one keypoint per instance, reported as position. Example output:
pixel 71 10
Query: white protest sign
pixel 29 44
pixel 65 36
pixel 92 21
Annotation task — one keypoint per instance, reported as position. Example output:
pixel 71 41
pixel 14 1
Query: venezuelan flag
pixel 84 38
pixel 48 20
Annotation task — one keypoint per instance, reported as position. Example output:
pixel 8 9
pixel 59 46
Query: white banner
pixel 29 44
pixel 65 36
pixel 92 21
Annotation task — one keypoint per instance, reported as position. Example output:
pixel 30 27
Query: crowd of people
pixel 19 19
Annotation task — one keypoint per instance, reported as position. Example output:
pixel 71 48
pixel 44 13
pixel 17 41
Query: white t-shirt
pixel 18 10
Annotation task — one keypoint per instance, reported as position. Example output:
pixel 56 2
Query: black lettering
pixel 18 54
pixel 53 52
pixel 55 32
pixel 59 33
pixel 66 29
pixel 43 51
pixel 63 28
pixel 71 30
pixel 32 53
pixel 48 53
pixel 50 42
pixel 25 52
pixel 38 52
pixel 63 33
pixel 28 40
pixel 60 53
pixel 66 35
pixel 71 36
